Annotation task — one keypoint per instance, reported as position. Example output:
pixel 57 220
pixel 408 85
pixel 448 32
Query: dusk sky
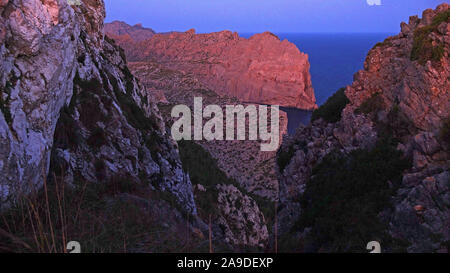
pixel 272 15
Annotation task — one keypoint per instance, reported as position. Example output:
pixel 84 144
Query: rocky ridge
pixel 261 69
pixel 136 33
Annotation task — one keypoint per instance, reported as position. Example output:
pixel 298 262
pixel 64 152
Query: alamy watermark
pixel 213 129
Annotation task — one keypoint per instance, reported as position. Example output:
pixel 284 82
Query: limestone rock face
pixel 37 64
pixel 71 109
pixel 261 69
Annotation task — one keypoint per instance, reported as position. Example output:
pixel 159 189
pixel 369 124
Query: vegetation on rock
pixel 424 47
pixel 331 110
pixel 386 42
pixel 285 155
pixel 203 170
pixel 345 195
pixel 371 105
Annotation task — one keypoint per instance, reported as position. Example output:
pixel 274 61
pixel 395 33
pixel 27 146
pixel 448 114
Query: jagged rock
pixel 241 220
pixel 426 143
pixel 421 214
pixel 68 98
pixel 420 90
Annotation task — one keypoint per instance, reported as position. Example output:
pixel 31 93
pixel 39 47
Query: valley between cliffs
pixel 86 151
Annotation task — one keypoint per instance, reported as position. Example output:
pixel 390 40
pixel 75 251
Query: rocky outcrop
pixel 401 71
pixel 136 33
pixel 240 218
pixel 68 98
pixel 402 95
pixel 261 69
pixel 38 53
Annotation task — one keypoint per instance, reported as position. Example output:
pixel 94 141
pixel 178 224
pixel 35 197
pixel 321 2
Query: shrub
pixel 423 49
pixel 67 132
pixel 396 126
pixel 97 138
pixel 331 110
pixel 345 194
pixel 372 105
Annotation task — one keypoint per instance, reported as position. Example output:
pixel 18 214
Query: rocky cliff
pixel 261 69
pixel 68 98
pixel 79 131
pixel 356 170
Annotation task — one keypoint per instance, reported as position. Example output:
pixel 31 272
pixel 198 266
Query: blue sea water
pixel 334 58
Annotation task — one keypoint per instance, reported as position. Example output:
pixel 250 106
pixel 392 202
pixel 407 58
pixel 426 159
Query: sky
pixel 278 16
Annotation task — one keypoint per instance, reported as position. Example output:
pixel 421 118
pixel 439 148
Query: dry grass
pixel 119 216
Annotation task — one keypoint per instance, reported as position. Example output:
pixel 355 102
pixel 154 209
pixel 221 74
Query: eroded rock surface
pixel 38 53
pixel 68 98
pixel 242 221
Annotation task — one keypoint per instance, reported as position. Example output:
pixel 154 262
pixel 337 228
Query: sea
pixel 334 59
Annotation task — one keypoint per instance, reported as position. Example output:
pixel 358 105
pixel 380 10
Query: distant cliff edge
pixel 261 69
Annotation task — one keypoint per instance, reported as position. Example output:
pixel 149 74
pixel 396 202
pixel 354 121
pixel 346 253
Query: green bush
pixel 423 49
pixel 396 126
pixel 331 110
pixel 345 195
pixel 372 105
